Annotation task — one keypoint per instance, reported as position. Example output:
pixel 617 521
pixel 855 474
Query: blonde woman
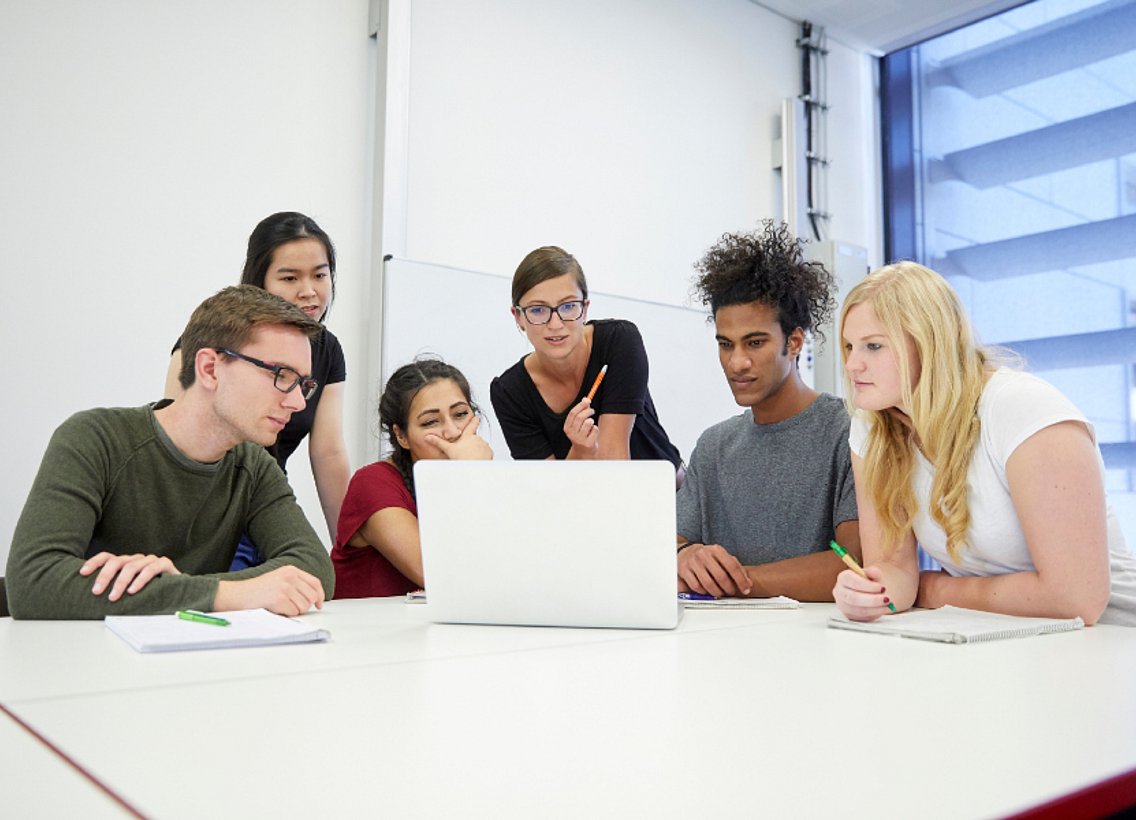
pixel 992 471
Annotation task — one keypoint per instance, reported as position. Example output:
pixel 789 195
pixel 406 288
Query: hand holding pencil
pixel 580 425
pixel 850 562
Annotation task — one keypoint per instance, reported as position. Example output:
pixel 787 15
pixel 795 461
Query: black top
pixel 533 431
pixel 328 367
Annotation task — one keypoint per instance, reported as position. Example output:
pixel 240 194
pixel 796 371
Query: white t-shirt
pixel 1012 408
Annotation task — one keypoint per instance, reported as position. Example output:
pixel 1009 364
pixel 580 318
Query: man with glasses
pixel 139 510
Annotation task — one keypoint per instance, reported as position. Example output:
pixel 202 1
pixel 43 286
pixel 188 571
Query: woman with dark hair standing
pixel 289 255
pixel 426 412
pixel 542 401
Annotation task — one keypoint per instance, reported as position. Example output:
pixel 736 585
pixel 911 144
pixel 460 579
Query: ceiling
pixel 880 26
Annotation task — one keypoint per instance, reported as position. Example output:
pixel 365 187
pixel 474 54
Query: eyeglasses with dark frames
pixel 285 379
pixel 542 314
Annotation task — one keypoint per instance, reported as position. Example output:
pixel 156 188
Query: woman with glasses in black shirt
pixel 542 401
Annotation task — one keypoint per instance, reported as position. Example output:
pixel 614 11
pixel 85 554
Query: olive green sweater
pixel 111 480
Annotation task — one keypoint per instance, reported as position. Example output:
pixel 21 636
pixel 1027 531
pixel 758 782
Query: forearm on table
pixel 1017 593
pixel 310 556
pixel 58 591
pixel 806 578
pixel 43 580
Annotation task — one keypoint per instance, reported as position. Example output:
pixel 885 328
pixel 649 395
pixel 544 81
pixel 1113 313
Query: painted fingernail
pixel 887 600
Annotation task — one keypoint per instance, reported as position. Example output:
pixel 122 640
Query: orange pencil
pixel 596 385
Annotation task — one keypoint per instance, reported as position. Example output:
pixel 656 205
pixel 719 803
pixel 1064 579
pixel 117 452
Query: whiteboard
pixel 463 317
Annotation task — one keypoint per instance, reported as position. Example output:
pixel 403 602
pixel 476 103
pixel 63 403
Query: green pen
pixel 852 565
pixel 201 617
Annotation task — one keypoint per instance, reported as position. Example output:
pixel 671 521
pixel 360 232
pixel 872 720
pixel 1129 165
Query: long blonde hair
pixel 913 302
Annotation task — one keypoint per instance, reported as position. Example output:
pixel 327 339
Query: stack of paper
pixel 250 627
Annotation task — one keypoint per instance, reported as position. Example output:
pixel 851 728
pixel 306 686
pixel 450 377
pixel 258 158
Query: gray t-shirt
pixel 767 492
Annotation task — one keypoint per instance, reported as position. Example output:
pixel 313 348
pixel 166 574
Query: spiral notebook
pixel 952 624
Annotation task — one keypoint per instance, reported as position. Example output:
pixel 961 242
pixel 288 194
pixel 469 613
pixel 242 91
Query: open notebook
pixel 250 627
pixel 951 624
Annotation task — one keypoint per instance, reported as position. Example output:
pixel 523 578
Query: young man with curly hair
pixel 766 491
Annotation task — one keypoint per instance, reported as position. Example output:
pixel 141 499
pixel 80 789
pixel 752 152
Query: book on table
pixel 952 624
pixel 249 627
pixel 776 602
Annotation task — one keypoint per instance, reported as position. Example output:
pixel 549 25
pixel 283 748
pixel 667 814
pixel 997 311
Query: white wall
pixel 632 132
pixel 140 142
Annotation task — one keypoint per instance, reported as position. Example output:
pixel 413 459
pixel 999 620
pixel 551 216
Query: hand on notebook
pixel 581 429
pixel 133 572
pixel 710 570
pixel 467 446
pixel 287 590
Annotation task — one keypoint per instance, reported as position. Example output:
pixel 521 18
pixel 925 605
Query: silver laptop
pixel 549 543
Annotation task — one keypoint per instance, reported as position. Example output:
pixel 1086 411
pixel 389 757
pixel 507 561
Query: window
pixel 1010 168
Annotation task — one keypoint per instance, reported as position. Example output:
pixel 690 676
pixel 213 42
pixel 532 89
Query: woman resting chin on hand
pixel 426 412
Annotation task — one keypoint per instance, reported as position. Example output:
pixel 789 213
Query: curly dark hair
pixel 399 393
pixel 767 266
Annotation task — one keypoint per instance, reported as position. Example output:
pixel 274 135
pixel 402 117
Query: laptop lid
pixel 549 543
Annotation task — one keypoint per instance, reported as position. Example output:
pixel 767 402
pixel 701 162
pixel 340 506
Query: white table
pixel 35 782
pixel 764 712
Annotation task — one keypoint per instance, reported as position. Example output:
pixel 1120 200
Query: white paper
pixel 249 627
pixel 951 624
pixel 777 602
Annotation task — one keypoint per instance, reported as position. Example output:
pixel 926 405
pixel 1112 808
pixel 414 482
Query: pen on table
pixel 852 565
pixel 596 383
pixel 695 596
pixel 201 617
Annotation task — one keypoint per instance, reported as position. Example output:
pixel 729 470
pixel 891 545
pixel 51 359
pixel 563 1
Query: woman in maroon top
pixel 426 411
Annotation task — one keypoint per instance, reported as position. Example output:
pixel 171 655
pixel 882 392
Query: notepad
pixel 249 627
pixel 951 624
pixel 777 602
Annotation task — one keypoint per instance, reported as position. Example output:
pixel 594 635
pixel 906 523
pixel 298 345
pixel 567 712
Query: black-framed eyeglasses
pixel 542 314
pixel 285 379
